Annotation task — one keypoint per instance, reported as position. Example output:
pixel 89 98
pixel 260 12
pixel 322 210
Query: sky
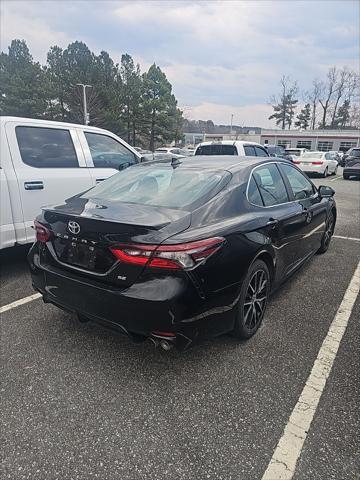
pixel 222 57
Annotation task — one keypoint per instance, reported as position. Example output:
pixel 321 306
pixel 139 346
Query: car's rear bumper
pixel 168 304
pixel 353 170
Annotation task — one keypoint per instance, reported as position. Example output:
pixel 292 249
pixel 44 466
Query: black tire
pixel 335 171
pixel 325 174
pixel 345 176
pixel 253 300
pixel 329 230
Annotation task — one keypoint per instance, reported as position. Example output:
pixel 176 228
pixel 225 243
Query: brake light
pixel 43 234
pixel 317 163
pixel 175 257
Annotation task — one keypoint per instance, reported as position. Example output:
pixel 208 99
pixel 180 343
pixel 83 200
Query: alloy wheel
pixel 255 299
pixel 329 229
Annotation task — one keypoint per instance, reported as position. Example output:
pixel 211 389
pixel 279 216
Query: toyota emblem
pixel 74 227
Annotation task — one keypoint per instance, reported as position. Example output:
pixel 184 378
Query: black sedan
pixel 181 250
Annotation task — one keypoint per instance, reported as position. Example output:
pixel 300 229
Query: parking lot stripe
pixel 354 239
pixel 333 179
pixel 12 305
pixel 283 462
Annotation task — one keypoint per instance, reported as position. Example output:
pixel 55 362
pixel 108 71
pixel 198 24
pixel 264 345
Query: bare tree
pixel 327 92
pixel 344 81
pixel 312 96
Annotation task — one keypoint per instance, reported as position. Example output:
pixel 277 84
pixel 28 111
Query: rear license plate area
pixel 83 255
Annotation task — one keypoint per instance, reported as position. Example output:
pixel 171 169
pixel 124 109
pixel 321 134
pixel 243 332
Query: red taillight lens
pixel 43 234
pixel 178 256
pixel 317 163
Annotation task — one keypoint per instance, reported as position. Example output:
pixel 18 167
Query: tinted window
pixel 271 185
pixel 161 186
pixel 299 184
pixel 216 149
pixel 254 196
pixel 260 152
pixel 355 152
pixel 46 147
pixel 106 152
pixel 249 151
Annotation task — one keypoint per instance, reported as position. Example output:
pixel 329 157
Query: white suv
pixel 230 147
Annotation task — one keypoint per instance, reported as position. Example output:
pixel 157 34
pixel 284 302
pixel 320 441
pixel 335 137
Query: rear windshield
pixel 292 152
pixel 161 186
pixel 312 155
pixel 216 149
pixel 355 152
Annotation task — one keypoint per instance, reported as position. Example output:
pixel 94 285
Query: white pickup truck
pixel 44 162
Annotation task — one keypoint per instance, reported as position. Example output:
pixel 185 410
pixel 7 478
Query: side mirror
pixel 325 191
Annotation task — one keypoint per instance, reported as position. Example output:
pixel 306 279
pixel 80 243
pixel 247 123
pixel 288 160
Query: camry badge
pixel 73 227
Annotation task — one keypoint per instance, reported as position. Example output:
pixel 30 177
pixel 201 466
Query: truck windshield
pixel 216 149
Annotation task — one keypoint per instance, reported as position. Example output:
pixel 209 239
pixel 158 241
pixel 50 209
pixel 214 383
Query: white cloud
pixel 247 115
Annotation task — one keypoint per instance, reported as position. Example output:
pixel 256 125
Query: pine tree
pixel 304 117
pixel 23 89
pixel 343 115
pixel 284 106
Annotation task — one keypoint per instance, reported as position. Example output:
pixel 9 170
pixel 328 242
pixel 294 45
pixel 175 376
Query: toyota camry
pixel 184 249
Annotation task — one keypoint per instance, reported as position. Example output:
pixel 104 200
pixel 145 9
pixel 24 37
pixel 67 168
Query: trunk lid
pixel 83 231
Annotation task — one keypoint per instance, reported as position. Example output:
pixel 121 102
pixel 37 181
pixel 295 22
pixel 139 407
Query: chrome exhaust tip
pixel 166 345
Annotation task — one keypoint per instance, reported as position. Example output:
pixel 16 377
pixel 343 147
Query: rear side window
pixel 178 188
pixel 271 185
pixel 106 152
pixel 260 152
pixel 299 184
pixel 216 149
pixel 249 151
pixel 355 152
pixel 254 196
pixel 46 147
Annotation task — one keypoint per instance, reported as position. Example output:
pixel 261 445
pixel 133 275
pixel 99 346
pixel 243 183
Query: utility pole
pixel 86 115
pixel 231 124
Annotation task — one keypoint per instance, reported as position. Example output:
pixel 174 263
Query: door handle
pixel 34 185
pixel 98 180
pixel 272 222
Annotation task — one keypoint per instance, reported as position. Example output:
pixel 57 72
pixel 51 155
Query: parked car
pixel 181 250
pixel 352 163
pixel 44 162
pixel 229 147
pixel 173 152
pixel 295 153
pixel 320 163
pixel 277 151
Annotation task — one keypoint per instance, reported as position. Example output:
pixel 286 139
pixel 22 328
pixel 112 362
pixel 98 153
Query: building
pixel 323 140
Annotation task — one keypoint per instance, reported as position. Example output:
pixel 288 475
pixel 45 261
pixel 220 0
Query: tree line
pixel 139 107
pixel 332 103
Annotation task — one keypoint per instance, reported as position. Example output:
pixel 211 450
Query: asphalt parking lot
pixel 79 402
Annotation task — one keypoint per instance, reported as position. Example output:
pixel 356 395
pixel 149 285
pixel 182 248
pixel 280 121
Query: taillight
pixel 43 234
pixel 178 256
pixel 317 163
pixel 296 161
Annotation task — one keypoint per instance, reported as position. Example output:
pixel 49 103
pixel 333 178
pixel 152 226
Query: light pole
pixel 231 123
pixel 86 115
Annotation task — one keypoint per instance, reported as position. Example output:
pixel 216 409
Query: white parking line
pixel 283 462
pixel 12 305
pixel 333 179
pixel 354 239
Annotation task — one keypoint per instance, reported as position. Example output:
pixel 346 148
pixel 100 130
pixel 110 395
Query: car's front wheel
pixel 253 300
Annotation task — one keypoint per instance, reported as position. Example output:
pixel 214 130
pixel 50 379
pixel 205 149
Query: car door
pixel 249 151
pixel 49 166
pixel 104 154
pixel 314 210
pixel 283 218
